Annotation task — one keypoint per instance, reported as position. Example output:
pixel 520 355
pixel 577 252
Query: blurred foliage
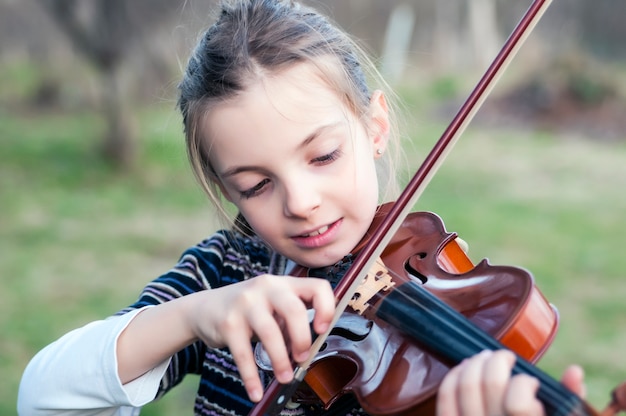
pixel 444 88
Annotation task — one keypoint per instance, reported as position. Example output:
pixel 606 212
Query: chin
pixel 323 262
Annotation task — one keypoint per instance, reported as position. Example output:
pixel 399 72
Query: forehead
pixel 278 109
pixel 300 87
pixel 312 84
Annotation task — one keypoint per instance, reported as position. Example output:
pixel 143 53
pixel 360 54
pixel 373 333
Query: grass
pixel 78 241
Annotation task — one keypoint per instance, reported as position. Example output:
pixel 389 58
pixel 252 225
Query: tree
pixel 447 34
pixel 104 32
pixel 483 31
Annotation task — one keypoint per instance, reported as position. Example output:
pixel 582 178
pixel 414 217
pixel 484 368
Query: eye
pixel 328 158
pixel 255 190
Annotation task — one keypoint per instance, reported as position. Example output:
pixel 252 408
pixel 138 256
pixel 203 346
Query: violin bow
pixel 277 395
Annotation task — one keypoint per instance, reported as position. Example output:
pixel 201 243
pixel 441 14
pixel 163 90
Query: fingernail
pixel 285 376
pixel 322 328
pixel 301 356
pixel 256 395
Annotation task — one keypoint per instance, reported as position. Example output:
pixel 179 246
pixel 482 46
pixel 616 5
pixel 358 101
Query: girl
pixel 280 122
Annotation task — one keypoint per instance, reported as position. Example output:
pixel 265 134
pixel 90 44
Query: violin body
pixel 391 373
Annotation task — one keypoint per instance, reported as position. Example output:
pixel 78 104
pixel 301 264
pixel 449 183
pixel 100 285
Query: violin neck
pixel 452 337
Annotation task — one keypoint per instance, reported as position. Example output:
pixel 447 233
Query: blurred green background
pixel 97 198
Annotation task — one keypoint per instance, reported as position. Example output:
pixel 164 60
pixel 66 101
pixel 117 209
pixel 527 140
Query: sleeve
pixel 79 372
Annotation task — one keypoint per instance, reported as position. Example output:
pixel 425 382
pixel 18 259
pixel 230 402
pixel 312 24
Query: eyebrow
pixel 310 138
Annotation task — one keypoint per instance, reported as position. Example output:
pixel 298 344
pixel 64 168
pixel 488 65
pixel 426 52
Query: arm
pixel 266 307
pixel 79 372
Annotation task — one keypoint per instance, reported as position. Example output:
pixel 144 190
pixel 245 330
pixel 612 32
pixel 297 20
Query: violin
pixel 423 309
pixel 423 273
pixel 411 304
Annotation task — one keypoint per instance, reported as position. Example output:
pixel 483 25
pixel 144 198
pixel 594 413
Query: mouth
pixel 318 237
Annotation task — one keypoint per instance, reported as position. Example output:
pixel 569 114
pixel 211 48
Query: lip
pixel 312 239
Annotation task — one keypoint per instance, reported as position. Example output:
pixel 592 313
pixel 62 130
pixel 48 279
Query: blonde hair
pixel 252 38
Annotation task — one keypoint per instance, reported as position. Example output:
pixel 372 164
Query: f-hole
pixel 411 270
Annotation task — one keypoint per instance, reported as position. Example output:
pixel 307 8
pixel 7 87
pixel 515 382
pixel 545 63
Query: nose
pixel 301 199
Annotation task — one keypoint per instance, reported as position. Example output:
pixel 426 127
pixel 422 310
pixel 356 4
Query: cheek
pixel 261 221
pixel 368 179
pixel 362 197
pixel 372 198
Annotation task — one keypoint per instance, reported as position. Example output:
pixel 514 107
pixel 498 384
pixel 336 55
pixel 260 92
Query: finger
pixel 446 396
pixel 238 342
pixel 521 397
pixel 319 294
pixel 269 333
pixel 469 391
pixel 324 305
pixel 292 312
pixel 497 371
pixel 290 307
pixel 573 379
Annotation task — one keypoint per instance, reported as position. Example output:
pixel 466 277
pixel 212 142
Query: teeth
pixel 322 230
pixel 317 232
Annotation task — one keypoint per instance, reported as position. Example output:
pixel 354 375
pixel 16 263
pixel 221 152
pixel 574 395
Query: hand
pixel 274 310
pixel 483 385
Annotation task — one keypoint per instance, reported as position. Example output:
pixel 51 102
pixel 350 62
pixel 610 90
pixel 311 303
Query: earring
pixel 379 151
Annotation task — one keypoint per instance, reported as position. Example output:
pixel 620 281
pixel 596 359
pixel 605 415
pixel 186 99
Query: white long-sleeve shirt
pixel 88 355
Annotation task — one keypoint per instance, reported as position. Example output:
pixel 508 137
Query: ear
pixel 379 122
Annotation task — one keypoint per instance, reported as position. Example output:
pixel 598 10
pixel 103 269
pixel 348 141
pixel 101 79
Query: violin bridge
pixel 377 280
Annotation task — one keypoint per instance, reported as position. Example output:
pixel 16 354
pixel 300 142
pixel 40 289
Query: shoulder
pixel 228 242
pixel 227 256
pixel 224 258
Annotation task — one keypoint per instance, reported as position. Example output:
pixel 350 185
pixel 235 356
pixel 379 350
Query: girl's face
pixel 298 164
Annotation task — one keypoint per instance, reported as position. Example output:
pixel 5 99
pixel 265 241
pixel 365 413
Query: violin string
pixel 468 339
